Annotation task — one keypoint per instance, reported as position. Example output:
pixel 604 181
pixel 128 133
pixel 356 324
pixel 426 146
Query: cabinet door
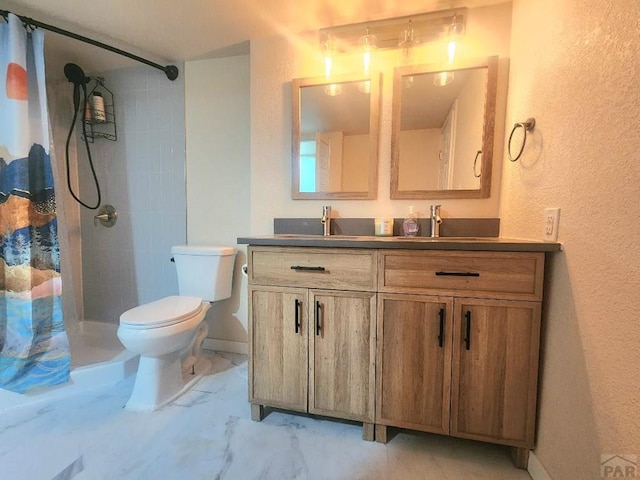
pixel 342 356
pixel 278 345
pixel 495 370
pixel 414 361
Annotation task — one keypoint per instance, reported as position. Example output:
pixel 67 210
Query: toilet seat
pixel 161 313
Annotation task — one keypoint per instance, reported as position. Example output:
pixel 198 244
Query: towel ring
pixel 527 126
pixel 475 160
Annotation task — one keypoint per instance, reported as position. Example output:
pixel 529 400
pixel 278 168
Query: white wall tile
pixel 129 264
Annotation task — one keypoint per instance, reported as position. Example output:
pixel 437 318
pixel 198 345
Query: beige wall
pixel 276 61
pixel 574 68
pixel 469 125
pixel 218 172
pixel 419 150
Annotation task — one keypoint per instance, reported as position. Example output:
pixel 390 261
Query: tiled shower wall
pixel 142 175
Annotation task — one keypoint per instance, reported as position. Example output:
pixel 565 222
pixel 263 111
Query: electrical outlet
pixel 551 224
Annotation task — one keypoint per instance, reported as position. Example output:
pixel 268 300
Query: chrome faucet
pixel 326 220
pixel 436 220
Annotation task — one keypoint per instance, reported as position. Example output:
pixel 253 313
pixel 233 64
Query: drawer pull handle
pixel 467 335
pixel 307 269
pixel 297 319
pixel 457 274
pixel 317 318
pixel 441 334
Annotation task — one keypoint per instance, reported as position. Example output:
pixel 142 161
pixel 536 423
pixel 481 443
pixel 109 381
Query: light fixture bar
pixel 426 26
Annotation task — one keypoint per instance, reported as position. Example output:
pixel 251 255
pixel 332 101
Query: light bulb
pixel 368 43
pixel 329 49
pixel 456 31
pixel 451 51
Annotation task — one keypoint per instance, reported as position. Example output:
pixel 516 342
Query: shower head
pixel 74 74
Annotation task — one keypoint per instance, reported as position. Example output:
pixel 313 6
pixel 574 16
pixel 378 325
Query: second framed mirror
pixel 443 125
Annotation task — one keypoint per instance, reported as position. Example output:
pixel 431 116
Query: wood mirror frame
pixel 369 152
pixel 488 127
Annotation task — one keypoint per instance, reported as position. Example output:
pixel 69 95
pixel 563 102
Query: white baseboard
pixel 225 346
pixel 536 469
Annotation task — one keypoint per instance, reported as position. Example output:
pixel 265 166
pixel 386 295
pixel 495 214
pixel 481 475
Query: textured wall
pixel 218 156
pixel 276 61
pixel 575 67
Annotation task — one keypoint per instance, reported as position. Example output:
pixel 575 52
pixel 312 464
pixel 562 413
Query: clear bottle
pixel 410 224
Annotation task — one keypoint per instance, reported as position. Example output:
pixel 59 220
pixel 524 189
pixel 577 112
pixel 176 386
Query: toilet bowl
pixel 168 333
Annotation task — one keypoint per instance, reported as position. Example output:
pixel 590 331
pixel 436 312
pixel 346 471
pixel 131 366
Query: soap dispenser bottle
pixel 410 225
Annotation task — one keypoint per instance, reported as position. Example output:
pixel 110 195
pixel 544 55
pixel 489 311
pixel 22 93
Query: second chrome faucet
pixel 436 220
pixel 326 220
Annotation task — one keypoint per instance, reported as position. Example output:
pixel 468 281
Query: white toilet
pixel 168 333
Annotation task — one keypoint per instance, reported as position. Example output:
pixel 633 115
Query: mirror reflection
pixel 442 132
pixel 335 137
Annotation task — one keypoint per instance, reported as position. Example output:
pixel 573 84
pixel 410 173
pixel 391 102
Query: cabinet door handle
pixel 441 334
pixel 467 335
pixel 457 274
pixel 302 268
pixel 317 318
pixel 297 316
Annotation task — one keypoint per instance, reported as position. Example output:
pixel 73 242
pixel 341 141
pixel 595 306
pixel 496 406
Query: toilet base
pixel 161 380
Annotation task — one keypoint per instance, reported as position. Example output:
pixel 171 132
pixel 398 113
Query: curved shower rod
pixel 171 71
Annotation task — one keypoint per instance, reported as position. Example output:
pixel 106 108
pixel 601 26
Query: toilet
pixel 168 333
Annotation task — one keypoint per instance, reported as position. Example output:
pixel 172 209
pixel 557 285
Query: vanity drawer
pixel 345 269
pixel 511 275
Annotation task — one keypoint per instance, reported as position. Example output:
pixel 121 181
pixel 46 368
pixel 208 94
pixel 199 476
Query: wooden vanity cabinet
pixel 312 317
pixel 458 340
pixel 442 341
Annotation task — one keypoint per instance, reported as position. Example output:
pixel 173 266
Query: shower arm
pixel 171 71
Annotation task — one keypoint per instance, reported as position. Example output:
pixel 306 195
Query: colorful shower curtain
pixel 34 349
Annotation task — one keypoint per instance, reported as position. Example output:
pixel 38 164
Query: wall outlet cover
pixel 551 224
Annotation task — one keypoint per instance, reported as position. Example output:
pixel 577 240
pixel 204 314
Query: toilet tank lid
pixel 202 250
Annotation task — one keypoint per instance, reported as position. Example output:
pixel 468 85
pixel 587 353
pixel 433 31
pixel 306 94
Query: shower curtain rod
pixel 171 71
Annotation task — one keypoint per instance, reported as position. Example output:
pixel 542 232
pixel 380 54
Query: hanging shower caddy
pixel 97 125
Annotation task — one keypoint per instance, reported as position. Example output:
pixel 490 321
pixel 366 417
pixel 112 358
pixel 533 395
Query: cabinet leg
pixel 520 456
pixel 381 433
pixel 257 412
pixel 367 432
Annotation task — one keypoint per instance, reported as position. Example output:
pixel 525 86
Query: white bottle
pixel 98 108
pixel 410 225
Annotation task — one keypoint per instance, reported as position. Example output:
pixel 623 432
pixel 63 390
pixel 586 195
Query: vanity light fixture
pixel 368 43
pixel 400 33
pixel 329 50
pixel 408 40
pixel 455 33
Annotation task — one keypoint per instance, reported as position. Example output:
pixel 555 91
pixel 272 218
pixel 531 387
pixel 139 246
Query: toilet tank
pixel 204 271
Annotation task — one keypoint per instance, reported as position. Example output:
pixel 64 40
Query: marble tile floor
pixel 208 434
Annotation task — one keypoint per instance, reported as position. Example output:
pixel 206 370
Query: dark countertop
pixel 415 243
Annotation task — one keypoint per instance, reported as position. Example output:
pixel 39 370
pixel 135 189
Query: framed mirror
pixel 442 130
pixel 335 137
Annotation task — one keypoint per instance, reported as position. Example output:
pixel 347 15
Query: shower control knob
pixel 107 216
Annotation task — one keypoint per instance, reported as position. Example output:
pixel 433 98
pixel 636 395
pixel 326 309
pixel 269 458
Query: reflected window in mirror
pixel 442 131
pixel 335 137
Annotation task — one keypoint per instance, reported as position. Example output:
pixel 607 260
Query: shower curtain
pixel 34 349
